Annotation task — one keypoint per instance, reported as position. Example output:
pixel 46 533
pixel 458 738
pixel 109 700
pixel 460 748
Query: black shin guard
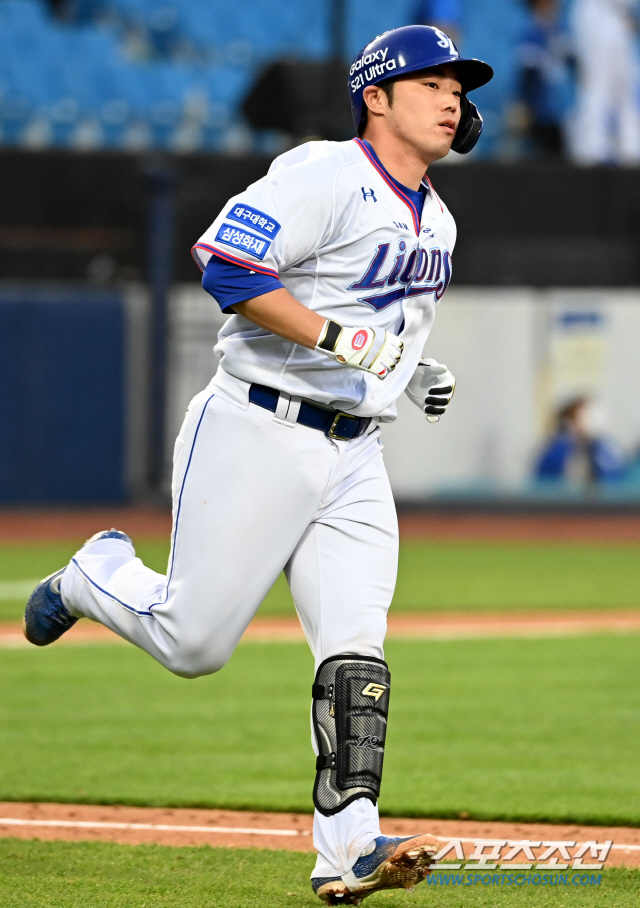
pixel 350 708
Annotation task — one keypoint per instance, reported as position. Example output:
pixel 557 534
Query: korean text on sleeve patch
pixel 243 239
pixel 260 221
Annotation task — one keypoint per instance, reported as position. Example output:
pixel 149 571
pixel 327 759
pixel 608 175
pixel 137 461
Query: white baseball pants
pixel 255 494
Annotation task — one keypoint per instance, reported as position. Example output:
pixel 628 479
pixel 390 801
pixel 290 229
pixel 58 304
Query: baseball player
pixel 332 267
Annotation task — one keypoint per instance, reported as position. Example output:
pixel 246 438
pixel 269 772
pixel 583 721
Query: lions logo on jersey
pixel 424 271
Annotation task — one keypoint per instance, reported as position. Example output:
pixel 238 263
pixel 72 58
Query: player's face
pixel 426 111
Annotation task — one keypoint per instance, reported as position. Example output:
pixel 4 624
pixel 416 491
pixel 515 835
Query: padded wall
pixel 62 396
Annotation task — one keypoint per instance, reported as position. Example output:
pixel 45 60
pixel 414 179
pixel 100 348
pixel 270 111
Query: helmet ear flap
pixel 469 128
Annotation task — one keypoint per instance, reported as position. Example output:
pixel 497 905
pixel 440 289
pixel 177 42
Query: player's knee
pixel 193 660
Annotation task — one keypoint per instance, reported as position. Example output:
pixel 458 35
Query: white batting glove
pixel 431 388
pixel 370 349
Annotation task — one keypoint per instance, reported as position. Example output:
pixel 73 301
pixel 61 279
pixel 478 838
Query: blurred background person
pixel 578 452
pixel 443 14
pixel 545 85
pixel 606 127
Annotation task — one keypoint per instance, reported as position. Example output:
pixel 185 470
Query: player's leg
pixel 342 577
pixel 244 489
pixel 343 572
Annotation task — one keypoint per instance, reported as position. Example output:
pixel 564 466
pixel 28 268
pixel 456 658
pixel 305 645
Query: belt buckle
pixel 333 434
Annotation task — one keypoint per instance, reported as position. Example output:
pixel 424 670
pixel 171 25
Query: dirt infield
pixel 623 528
pixel 249 829
pixel 443 626
pixel 78 524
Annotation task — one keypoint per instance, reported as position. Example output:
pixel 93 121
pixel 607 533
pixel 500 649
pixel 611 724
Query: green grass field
pixel 494 729
pixel 433 575
pixel 490 729
pixel 92 875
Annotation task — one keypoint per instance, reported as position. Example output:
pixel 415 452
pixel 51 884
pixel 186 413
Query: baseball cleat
pixel 387 863
pixel 109 534
pixel 45 617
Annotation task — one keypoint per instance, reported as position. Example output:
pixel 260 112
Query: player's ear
pixel 373 98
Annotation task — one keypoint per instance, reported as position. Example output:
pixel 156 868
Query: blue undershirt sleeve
pixel 228 283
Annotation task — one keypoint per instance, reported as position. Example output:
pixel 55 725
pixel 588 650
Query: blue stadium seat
pixel 16 110
pixel 368 18
pixel 164 27
pixel 129 10
pixel 210 27
pixel 86 11
pixel 228 84
pixel 308 32
pixel 25 16
pixel 25 96
pixel 168 89
pixel 492 32
pixel 201 59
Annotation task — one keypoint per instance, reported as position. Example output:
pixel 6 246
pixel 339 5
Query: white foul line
pixel 227 830
pixel 82 824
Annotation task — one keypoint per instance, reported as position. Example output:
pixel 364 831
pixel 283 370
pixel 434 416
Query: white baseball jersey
pixel 348 244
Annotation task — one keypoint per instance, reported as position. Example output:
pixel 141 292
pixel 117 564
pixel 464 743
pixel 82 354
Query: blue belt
pixel 333 423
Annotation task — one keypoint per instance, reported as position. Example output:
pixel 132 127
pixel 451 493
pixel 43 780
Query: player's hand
pixel 431 388
pixel 370 349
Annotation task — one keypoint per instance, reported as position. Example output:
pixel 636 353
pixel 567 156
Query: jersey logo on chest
pixel 415 274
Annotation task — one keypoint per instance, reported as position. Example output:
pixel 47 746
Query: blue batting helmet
pixel 410 49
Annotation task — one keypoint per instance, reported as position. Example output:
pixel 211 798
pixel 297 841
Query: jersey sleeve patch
pixel 243 239
pixel 260 221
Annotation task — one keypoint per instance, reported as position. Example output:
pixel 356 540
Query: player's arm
pixel 280 313
pixel 370 349
pixel 261 298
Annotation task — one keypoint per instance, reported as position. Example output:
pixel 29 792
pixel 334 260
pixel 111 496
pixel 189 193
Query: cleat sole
pixel 410 864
